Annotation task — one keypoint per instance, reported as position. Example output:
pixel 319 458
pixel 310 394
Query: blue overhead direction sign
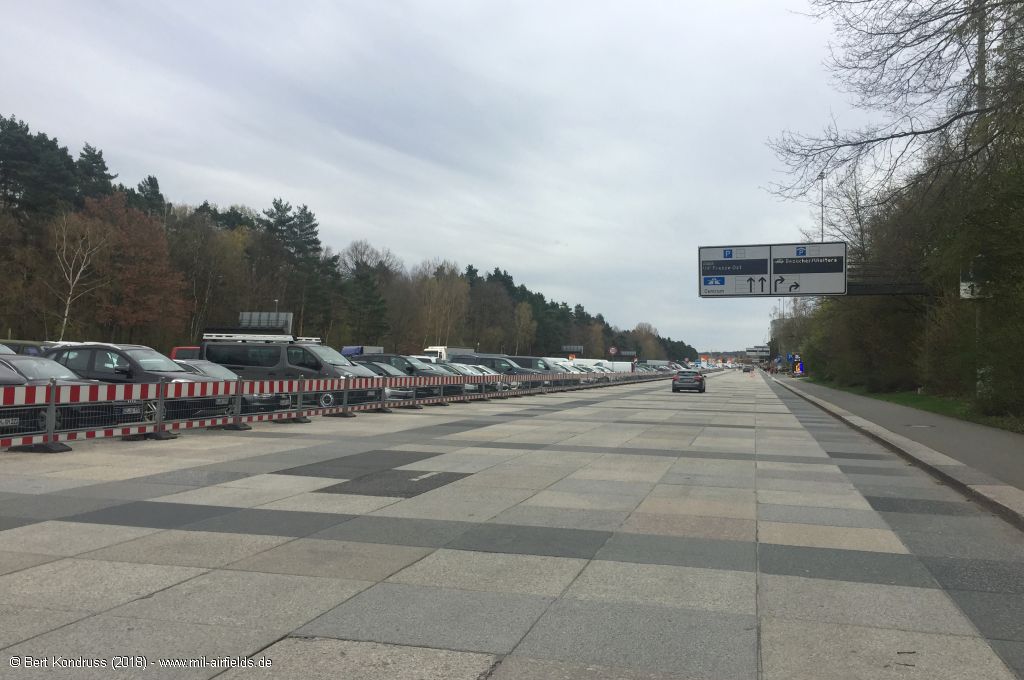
pixel 727 253
pixel 801 251
pixel 714 280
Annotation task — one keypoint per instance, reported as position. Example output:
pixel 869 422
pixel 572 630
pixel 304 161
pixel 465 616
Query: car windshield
pixel 151 360
pixel 420 364
pixel 328 355
pixel 486 369
pixel 4 349
pixel 38 368
pixel 387 368
pixel 215 370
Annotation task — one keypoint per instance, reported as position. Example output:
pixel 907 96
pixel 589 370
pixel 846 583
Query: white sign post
pixel 774 270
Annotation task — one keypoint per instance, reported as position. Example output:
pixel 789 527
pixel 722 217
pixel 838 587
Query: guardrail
pixel 45 418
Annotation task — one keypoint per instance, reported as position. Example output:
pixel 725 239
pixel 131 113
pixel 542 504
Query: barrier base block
pixel 237 427
pixel 343 414
pixel 383 409
pixel 300 419
pixel 162 436
pixel 49 447
pixel 415 406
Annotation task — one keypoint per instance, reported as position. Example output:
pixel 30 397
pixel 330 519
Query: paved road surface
pixel 999 453
pixel 620 533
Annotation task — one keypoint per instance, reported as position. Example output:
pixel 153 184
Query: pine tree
pixel 94 178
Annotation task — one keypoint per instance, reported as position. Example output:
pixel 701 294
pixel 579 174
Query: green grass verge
pixel 946 406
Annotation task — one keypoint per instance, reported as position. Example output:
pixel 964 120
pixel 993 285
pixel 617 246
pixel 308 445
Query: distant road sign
pixel 613 350
pixel 773 270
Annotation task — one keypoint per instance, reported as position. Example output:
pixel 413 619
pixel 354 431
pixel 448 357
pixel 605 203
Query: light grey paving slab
pixel 335 559
pixel 459 504
pixel 90 585
pixel 720 528
pixel 516 667
pixel 835 517
pixel 21 623
pixel 432 617
pixel 188 548
pixel 863 604
pixel 813 650
pixel 105 636
pixel 67 538
pixel 603 486
pixel 572 500
pixel 277 602
pixel 822 536
pixel 16 561
pixel 492 572
pixel 667 586
pixel 326 659
pixel 695 644
pixel 38 485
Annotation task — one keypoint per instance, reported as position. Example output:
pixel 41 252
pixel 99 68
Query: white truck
pixel 443 352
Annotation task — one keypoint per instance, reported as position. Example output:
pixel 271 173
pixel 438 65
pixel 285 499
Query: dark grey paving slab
pixel 800 475
pixel 903 481
pixel 385 460
pixel 52 506
pixel 892 471
pixel 267 522
pixel 425 616
pixel 201 476
pixel 531 540
pixel 15 522
pixel 426 533
pixel 949 525
pixel 680 551
pixel 922 507
pixel 151 514
pixel 395 483
pixel 836 517
pixel 844 565
pixel 693 644
pixel 936 492
pixel 128 490
pixel 997 615
pixel 859 455
pixel 993 545
pixel 330 470
pixel 985 575
pixel 1012 652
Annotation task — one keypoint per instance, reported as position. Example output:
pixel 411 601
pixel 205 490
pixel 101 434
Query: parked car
pixel 32 348
pixel 38 371
pixel 251 403
pixel 748 369
pixel 286 359
pixel 389 371
pixel 500 363
pixel 187 352
pixel 458 371
pixel 688 380
pixel 113 363
pixel 406 364
pixel 4 349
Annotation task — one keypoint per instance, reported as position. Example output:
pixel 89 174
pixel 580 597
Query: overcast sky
pixel 586 147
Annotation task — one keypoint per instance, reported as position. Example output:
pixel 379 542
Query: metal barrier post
pixel 236 423
pixel 301 418
pixel 161 407
pixel 383 399
pixel 48 445
pixel 345 413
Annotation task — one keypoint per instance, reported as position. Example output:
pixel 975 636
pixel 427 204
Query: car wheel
pixel 326 400
pixel 150 409
pixel 703 390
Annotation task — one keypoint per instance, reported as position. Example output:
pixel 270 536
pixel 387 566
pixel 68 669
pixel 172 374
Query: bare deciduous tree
pixel 78 242
pixel 944 74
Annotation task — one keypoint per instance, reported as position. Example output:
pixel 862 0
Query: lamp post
pixel 821 178
pixel 275 305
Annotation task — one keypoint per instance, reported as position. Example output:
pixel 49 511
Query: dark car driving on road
pixel 688 379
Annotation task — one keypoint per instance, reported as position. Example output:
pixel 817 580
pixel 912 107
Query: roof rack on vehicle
pixel 259 337
pixel 248 337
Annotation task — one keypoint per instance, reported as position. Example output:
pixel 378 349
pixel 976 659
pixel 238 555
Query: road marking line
pixel 422 477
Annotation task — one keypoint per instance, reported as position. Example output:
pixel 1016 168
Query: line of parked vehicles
pixel 225 356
